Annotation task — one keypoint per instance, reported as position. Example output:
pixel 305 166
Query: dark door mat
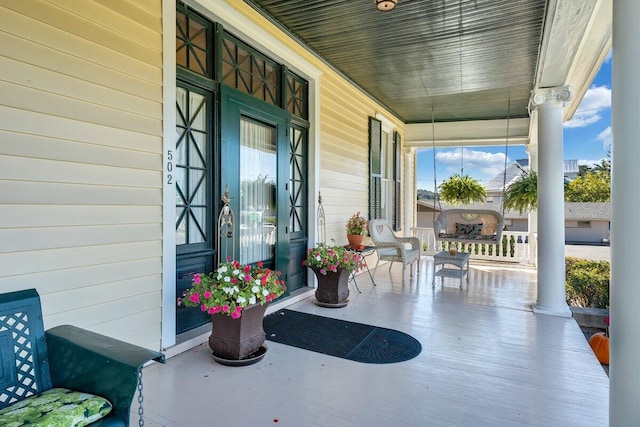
pixel 340 338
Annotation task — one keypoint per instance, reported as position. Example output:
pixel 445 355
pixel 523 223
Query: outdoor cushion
pixel 56 407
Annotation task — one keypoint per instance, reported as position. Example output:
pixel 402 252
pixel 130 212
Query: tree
pixel 592 187
pixel 604 166
pixel 462 189
pixel 522 194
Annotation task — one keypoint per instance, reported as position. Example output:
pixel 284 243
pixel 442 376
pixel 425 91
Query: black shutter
pixel 375 168
pixel 397 182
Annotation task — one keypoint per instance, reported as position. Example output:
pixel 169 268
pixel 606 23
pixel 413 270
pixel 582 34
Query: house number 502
pixel 169 167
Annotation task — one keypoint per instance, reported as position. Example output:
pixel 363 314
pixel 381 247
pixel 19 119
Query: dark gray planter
pixel 235 339
pixel 333 288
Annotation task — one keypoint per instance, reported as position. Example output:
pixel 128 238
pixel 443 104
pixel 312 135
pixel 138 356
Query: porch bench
pixel 63 358
pixel 469 226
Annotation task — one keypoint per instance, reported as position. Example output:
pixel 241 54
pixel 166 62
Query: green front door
pixel 254 166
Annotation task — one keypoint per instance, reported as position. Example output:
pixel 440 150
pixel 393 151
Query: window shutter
pixel 375 168
pixel 397 182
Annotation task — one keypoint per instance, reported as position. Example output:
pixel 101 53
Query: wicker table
pixel 459 269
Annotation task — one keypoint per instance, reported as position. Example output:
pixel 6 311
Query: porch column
pixel 409 190
pixel 624 375
pixel 548 103
pixel 532 149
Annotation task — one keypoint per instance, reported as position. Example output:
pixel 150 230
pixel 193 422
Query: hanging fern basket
pixel 462 189
pixel 522 194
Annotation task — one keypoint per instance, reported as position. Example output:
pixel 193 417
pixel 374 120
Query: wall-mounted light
pixel 385 5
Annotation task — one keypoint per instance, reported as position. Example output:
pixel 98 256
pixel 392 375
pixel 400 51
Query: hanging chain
pixel 140 399
pixel 435 181
pixel 506 155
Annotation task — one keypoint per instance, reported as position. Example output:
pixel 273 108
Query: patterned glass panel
pixel 249 71
pixel 191 167
pixel 297 183
pixel 192 35
pixel 297 100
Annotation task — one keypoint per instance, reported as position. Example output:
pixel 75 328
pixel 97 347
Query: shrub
pixel 587 282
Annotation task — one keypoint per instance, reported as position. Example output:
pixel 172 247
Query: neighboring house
pixel 584 222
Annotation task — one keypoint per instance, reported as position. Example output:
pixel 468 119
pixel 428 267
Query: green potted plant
pixel 462 189
pixel 236 297
pixel 332 266
pixel 356 228
pixel 522 194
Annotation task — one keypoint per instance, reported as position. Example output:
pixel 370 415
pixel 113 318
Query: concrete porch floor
pixel 486 360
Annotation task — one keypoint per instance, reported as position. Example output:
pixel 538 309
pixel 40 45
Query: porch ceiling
pixel 466 59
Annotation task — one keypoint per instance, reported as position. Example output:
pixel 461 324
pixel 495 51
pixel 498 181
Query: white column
pixel 551 276
pixel 532 149
pixel 624 375
pixel 410 198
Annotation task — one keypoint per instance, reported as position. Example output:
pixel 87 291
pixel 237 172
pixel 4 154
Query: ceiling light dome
pixel 385 5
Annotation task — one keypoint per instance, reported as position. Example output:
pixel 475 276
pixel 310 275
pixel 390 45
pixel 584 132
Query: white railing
pixel 514 247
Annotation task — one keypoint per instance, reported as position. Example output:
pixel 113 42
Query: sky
pixel 586 137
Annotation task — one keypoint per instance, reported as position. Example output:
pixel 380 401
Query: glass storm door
pixel 255 167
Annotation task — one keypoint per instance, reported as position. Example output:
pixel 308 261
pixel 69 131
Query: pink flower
pixel 203 307
pixel 225 308
pixel 194 298
pixel 323 271
pixel 247 268
pixel 235 315
pixel 196 279
pixel 217 309
pixel 207 294
pixel 260 264
pixel 234 280
pixel 247 278
pixel 212 310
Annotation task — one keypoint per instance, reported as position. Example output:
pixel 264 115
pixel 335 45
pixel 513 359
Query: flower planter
pixel 333 288
pixel 355 240
pixel 236 339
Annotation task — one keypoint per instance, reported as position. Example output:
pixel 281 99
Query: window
pixel 385 160
pixel 584 224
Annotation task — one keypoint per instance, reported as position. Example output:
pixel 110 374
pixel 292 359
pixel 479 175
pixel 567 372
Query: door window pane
pixel 258 173
pixel 191 167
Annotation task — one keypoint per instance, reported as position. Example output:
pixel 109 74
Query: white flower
pixel 257 282
pixel 318 258
pixel 227 290
pixel 255 289
pixel 222 269
pixel 241 300
pixel 235 288
pixel 265 292
pixel 252 300
pixel 236 272
pixel 227 279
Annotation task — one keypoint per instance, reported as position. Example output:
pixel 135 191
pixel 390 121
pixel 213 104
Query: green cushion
pixel 58 407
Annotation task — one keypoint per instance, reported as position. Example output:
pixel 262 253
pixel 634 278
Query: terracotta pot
pixel 355 239
pixel 333 288
pixel 237 338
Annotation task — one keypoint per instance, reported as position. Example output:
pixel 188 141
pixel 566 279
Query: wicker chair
pixel 392 248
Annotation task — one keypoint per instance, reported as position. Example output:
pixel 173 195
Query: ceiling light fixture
pixel 385 5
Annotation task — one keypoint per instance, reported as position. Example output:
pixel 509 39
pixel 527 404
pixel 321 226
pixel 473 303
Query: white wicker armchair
pixel 392 248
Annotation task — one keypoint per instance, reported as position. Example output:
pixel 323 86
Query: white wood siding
pixel 81 161
pixel 344 152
